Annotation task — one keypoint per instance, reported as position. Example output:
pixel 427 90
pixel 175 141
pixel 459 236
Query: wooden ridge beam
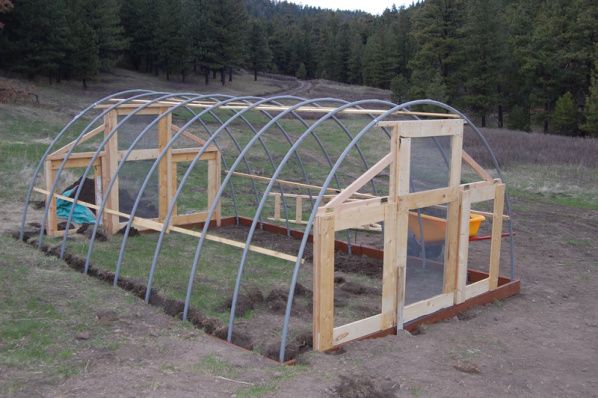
pixel 276 108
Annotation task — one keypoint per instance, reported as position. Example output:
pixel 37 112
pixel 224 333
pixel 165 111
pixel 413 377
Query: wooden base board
pixel 506 288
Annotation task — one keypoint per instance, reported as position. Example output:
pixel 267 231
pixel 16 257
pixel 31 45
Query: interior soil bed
pixel 357 288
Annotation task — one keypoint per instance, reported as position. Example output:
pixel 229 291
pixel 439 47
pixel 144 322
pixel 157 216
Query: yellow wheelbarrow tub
pixel 435 227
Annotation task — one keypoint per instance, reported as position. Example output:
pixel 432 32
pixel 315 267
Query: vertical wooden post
pixel 277 206
pixel 499 201
pixel 52 220
pixel 451 243
pixel 298 209
pixel 390 268
pixel 323 299
pixel 109 166
pixel 463 246
pixel 214 171
pixel 98 181
pixel 402 184
pixel 174 185
pixel 165 169
pixel 396 233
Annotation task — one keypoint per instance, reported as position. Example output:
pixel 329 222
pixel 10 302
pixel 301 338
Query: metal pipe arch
pixel 67 156
pixel 51 145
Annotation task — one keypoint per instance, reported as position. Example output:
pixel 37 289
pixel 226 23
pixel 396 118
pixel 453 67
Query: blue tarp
pixel 81 215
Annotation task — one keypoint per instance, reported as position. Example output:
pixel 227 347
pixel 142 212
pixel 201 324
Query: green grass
pixel 581 243
pixel 277 377
pixel 570 186
pixel 42 308
pixel 214 365
pixel 215 274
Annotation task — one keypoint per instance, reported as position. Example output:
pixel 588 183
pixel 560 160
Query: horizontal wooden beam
pixel 193 218
pixel 274 108
pixel 76 162
pixel 418 200
pixel 357 216
pixel 357 329
pixel 425 128
pixel 426 307
pixel 188 154
pixel 297 184
pixel 157 226
pixel 80 159
pixel 477 288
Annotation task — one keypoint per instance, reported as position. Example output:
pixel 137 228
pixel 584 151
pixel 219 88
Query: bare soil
pixel 539 343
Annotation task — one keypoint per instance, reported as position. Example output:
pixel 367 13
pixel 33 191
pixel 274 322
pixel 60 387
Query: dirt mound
pixel 245 302
pixel 300 344
pixel 363 265
pixel 276 301
pixel 358 288
pixel 363 386
pixel 88 192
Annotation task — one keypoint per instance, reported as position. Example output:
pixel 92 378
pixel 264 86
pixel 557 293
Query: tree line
pixel 514 63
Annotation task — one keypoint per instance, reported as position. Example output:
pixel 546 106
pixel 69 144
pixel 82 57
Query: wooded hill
pixel 516 63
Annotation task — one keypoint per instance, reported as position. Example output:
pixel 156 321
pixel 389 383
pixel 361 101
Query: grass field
pixel 47 310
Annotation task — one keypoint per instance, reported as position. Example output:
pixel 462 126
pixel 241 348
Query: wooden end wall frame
pixel 106 164
pixel 344 212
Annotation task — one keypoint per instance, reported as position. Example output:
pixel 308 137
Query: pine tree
pixel 374 61
pixel 400 88
pixel 104 18
pixel 564 117
pixel 343 43
pixel 481 57
pixel 436 31
pixel 172 45
pixel 355 63
pixel 301 72
pixel 590 126
pixel 259 51
pixel 140 20
pixel 84 60
pixel 5 6
pixel 236 38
